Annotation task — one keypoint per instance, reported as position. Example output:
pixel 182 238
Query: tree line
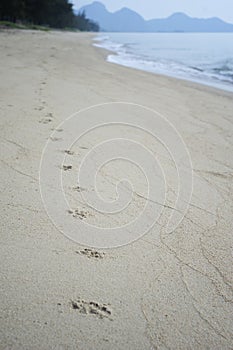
pixel 52 13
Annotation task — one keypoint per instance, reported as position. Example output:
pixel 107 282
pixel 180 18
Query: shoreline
pixel 185 82
pixel 164 290
pixel 211 84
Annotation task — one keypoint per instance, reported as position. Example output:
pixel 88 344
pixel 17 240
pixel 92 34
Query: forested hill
pixel 51 13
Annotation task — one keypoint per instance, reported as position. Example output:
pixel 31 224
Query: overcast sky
pixel 163 8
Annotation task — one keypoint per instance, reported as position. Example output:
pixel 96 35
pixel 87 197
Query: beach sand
pixel 163 291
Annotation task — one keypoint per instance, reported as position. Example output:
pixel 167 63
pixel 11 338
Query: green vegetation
pixel 41 14
pixel 11 25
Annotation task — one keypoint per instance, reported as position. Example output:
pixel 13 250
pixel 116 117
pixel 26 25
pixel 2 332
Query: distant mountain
pixel 179 22
pixel 126 20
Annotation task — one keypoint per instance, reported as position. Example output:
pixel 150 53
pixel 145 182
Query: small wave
pixel 197 69
pixel 225 66
pixel 101 38
pixel 111 46
pixel 222 70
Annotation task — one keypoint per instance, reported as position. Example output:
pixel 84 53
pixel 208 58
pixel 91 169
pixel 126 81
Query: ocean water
pixel 206 58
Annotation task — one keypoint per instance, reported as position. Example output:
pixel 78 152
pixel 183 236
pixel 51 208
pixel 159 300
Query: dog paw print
pixel 79 189
pixel 91 253
pixel 81 214
pixel 69 152
pixel 66 167
pixel 54 139
pixel 92 308
pixel 47 119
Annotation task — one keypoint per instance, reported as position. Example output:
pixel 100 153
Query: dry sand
pixel 165 290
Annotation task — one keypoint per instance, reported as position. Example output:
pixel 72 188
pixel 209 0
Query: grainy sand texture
pixel 164 290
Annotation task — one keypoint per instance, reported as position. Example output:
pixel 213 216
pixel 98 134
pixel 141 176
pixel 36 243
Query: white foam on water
pixel 213 70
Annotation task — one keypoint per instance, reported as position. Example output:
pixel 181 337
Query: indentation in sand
pixel 91 253
pixel 67 151
pixel 79 189
pixel 77 213
pixel 92 308
pixel 67 167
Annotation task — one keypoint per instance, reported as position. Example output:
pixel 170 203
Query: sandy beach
pixel 158 290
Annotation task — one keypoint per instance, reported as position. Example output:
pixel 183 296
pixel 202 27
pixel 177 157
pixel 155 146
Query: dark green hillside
pixel 47 13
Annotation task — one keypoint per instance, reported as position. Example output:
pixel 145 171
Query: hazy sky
pixel 163 8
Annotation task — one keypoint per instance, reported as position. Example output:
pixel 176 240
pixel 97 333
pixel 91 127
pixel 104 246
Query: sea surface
pixel 206 58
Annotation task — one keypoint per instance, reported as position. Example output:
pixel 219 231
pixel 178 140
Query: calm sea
pixel 202 57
